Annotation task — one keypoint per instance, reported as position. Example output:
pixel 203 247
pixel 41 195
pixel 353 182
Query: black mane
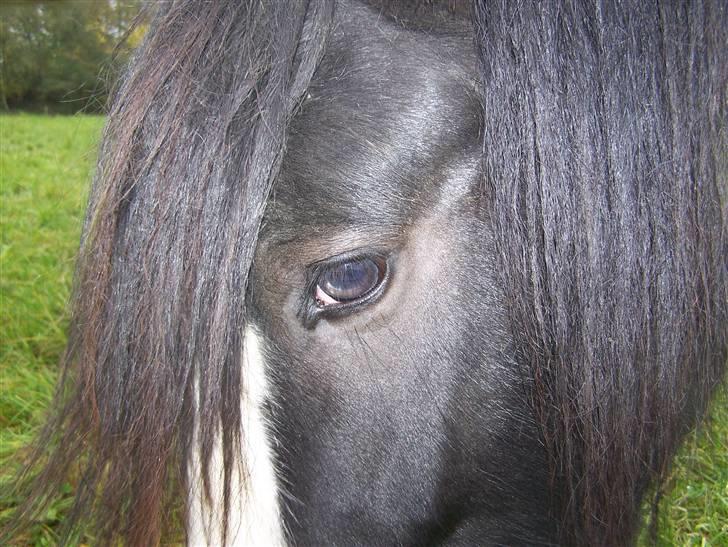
pixel 608 120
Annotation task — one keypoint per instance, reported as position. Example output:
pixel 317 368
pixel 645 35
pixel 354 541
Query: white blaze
pixel 254 519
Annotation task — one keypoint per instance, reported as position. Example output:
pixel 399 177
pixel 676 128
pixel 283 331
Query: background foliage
pixel 61 56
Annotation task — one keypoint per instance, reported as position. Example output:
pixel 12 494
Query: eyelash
pixel 310 312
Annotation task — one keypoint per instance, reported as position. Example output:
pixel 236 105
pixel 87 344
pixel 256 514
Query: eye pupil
pixel 351 280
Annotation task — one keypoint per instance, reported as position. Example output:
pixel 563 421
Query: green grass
pixel 695 509
pixel 45 167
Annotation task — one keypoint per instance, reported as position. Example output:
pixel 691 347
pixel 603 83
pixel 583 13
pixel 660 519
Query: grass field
pixel 45 167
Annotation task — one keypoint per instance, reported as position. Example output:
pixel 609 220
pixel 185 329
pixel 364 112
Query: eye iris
pixel 350 280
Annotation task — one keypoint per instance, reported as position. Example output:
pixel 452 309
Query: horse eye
pixel 349 281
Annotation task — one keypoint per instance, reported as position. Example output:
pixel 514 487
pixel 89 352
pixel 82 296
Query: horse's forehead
pixel 386 116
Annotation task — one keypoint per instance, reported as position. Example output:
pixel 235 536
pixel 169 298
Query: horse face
pixel 395 411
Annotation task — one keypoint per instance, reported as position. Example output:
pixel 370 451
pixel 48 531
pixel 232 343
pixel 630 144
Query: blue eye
pixel 349 281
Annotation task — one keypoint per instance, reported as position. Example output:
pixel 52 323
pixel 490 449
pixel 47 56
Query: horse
pixel 397 273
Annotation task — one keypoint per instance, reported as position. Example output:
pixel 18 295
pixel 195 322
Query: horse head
pixel 368 273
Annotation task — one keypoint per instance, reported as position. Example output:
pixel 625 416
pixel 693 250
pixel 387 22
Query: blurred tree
pixel 64 55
